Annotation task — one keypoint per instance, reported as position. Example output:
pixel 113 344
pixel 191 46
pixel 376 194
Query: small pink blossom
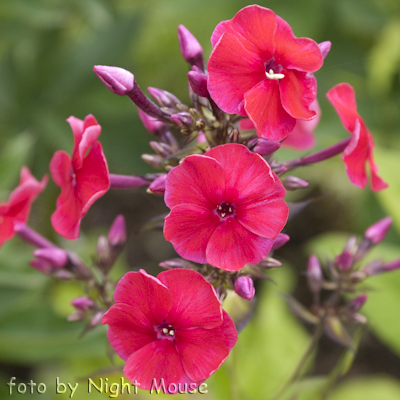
pixel 19 204
pixel 227 207
pixel 359 151
pixel 259 69
pixel 83 178
pixel 171 327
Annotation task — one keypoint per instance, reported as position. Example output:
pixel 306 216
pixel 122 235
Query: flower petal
pixel 377 183
pixel 129 329
pixel 302 54
pixel 202 351
pixel 61 168
pixel 297 91
pixel 233 70
pixel 264 108
pixel 146 295
pixel 253 181
pixel 189 227
pixel 199 180
pixel 158 360
pixel 195 303
pixel 232 246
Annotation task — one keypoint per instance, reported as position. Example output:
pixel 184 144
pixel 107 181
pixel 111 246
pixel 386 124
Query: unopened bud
pixel 103 249
pixel 377 232
pixel 158 185
pixel 117 232
pixel 314 274
pixel 153 125
pixel 264 146
pixel 392 266
pixel 56 258
pixel 151 159
pixel 355 304
pixel 294 183
pixel 96 318
pixel 182 119
pixel 344 260
pixel 374 267
pixel 325 47
pixel 198 82
pixel 161 149
pixel 191 49
pixel 280 240
pixel 118 80
pixel 82 303
pixel 269 262
pixel 164 98
pixel 244 287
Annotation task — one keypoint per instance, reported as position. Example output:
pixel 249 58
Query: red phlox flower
pixel 19 204
pixel 359 150
pixel 259 69
pixel 302 137
pixel 83 178
pixel 227 207
pixel 170 327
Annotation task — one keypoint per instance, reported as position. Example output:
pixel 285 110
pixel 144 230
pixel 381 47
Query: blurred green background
pixel 47 52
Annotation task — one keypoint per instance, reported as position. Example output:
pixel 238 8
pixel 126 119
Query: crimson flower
pixel 259 69
pixel 19 203
pixel 170 327
pixel 359 150
pixel 227 207
pixel 83 178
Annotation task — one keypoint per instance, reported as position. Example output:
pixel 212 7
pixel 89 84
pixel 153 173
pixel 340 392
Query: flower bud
pixel 118 80
pixel 152 124
pixel 325 47
pixel 164 98
pixel 158 185
pixel 294 183
pixel 377 232
pixel 191 49
pixel 56 258
pixel 152 159
pixel 314 274
pixel 198 82
pixel 355 304
pixel 280 240
pixel 244 287
pixel 264 146
pixel 269 262
pixel 344 260
pixel 117 232
pixel 82 303
pixel 392 266
pixel 182 119
pixel 161 149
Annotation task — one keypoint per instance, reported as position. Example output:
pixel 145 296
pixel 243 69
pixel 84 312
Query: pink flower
pixel 170 327
pixel 359 150
pixel 259 69
pixel 227 207
pixel 83 178
pixel 19 204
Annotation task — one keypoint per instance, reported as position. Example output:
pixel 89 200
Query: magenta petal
pixel 302 54
pixel 92 180
pixel 88 138
pixel 228 330
pixel 146 294
pixel 195 303
pixel 129 329
pixel 76 125
pixel 232 246
pixel 202 351
pixel 199 180
pixel 298 90
pixel 263 106
pixel 60 168
pixel 233 70
pixel 158 360
pixel 253 168
pixel 377 183
pixel 189 227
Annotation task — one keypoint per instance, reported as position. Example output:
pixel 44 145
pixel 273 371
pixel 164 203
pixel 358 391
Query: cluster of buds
pixel 341 278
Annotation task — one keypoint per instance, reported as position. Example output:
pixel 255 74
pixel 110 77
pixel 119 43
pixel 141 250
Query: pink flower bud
pixel 82 303
pixel 294 183
pixel 244 287
pixel 325 47
pixel 151 159
pixel 152 124
pixel 280 240
pixel 355 304
pixel 191 49
pixel 392 266
pixel 377 232
pixel 344 260
pixel 182 119
pixel 164 98
pixel 158 185
pixel 56 258
pixel 314 274
pixel 265 147
pixel 198 82
pixel 117 233
pixel 118 80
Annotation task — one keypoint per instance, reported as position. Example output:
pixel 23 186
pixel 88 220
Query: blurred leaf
pixel 368 388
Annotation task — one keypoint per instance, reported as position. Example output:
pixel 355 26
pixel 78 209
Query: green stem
pixel 297 372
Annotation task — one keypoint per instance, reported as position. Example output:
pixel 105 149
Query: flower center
pixel 225 210
pixel 273 70
pixel 165 331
